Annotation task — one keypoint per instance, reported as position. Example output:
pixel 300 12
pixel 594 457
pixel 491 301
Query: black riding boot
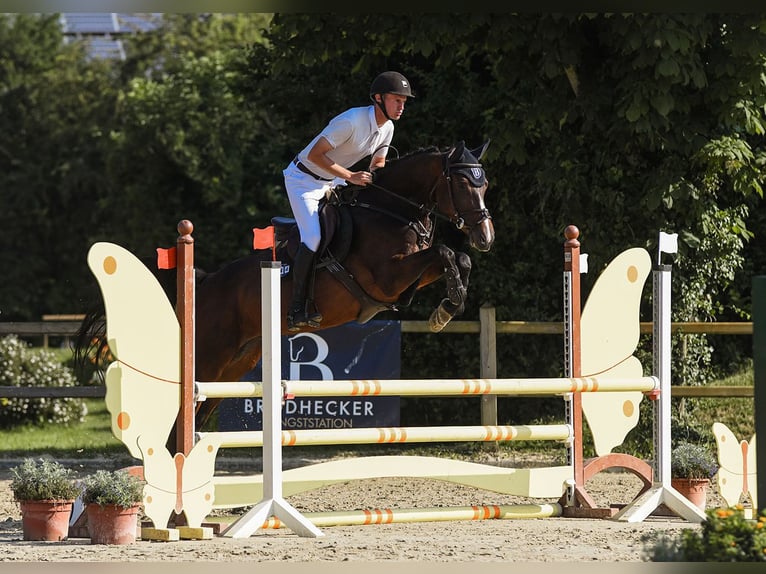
pixel 297 315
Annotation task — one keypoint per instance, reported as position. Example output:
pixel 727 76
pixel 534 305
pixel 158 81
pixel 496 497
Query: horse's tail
pixel 91 350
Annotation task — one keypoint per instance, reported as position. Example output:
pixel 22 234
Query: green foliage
pixel 726 536
pixel 623 124
pixel 23 366
pixel 116 487
pixel 43 480
pixel 689 460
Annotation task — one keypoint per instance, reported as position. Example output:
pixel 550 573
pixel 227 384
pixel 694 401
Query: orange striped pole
pixel 431 387
pixel 238 439
pixel 436 514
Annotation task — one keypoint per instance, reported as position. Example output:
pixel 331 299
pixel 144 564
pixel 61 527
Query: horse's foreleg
pixel 464 266
pixel 457 271
pixel 442 315
pixel 452 275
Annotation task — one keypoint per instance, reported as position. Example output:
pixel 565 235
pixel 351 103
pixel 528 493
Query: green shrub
pixel 43 480
pixel 112 487
pixel 726 536
pixel 23 366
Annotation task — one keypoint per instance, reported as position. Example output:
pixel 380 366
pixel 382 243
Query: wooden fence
pixel 487 328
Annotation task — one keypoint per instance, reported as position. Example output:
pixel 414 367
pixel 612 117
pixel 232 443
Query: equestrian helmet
pixel 391 83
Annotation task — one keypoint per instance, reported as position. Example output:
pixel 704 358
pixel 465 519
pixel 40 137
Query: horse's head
pixel 462 198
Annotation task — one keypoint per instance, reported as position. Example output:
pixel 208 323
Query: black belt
pixel 307 171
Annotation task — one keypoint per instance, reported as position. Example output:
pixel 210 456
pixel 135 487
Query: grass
pixel 736 413
pixel 90 439
pixel 93 438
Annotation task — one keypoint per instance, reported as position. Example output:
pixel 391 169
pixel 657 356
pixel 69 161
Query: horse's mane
pixel 393 164
pixel 419 151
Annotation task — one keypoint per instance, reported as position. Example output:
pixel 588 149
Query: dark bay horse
pixel 383 253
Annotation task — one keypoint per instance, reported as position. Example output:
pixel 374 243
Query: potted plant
pixel 691 468
pixel 45 491
pixel 112 500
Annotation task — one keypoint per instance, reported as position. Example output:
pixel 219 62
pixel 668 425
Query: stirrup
pixel 297 318
pixel 313 319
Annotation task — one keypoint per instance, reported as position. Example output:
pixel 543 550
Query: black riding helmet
pixel 390 83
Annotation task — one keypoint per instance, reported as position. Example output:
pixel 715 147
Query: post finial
pixel 571 233
pixel 185 229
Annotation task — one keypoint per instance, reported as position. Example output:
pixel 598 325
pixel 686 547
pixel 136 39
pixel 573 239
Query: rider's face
pixel 394 105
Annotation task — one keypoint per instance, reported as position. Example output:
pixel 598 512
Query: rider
pixel 347 138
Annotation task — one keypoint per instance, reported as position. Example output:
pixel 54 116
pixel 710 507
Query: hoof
pixel 439 319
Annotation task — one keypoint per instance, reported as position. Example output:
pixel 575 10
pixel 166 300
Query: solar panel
pixel 100 29
pixel 90 22
pixel 105 48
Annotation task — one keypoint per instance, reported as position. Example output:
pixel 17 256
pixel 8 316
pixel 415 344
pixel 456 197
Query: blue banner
pixel 350 351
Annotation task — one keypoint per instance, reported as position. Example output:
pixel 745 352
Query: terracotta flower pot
pixel 110 524
pixel 45 519
pixel 695 489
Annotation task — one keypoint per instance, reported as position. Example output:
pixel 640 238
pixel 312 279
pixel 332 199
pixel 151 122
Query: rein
pixel 458 219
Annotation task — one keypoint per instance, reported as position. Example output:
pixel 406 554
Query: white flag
pixel 668 242
pixel 583 263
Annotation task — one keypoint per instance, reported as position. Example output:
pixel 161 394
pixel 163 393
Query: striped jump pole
pixel 434 514
pixel 431 387
pixel 400 435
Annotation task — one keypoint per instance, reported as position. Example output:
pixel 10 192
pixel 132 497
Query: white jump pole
pixel 273 504
pixel 661 491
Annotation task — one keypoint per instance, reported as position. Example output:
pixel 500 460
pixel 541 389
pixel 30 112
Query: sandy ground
pixel 553 539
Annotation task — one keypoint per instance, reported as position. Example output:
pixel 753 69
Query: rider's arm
pixel 318 156
pixel 377 161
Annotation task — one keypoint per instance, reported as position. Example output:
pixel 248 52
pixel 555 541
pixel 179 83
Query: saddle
pixel 337 227
pixel 337 233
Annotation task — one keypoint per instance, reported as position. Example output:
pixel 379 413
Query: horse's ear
pixel 456 152
pixel 479 152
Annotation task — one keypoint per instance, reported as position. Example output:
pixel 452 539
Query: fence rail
pixel 67 325
pixel 68 328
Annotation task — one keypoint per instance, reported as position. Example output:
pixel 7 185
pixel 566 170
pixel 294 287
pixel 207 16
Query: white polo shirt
pixel 353 134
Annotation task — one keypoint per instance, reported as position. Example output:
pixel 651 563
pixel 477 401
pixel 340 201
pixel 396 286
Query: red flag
pixel 263 238
pixel 166 258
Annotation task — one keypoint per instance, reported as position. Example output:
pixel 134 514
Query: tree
pixel 54 111
pixel 622 124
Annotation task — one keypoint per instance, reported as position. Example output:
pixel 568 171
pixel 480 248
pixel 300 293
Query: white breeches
pixel 304 193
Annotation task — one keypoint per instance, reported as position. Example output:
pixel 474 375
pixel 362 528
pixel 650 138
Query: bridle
pixel 458 219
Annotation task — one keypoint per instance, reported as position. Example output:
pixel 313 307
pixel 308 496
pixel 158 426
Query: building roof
pixel 102 30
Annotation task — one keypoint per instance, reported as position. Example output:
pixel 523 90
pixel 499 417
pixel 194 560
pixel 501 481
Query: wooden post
pixel 577 496
pixel 185 313
pixel 759 387
pixel 488 348
pixel 572 347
